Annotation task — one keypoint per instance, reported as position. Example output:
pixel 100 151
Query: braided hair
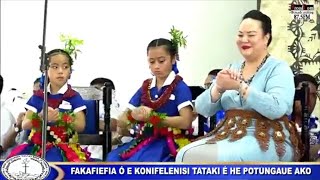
pixel 169 46
pixel 60 51
pixel 52 53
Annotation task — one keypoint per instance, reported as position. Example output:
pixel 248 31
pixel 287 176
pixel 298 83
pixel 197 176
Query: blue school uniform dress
pixel 157 150
pixel 61 146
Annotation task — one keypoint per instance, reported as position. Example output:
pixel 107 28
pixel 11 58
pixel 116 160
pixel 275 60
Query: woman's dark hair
pixel 1 83
pixel 101 81
pixel 264 19
pixel 60 51
pixel 169 46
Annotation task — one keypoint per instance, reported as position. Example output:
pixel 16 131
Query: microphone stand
pixel 107 101
pixel 305 123
pixel 44 69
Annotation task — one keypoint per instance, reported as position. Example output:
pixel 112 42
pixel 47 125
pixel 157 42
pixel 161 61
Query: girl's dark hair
pixel 60 51
pixel 170 47
pixel 264 19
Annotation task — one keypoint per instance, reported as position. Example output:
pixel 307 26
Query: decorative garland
pixel 149 130
pixel 145 132
pixel 62 135
pixel 146 96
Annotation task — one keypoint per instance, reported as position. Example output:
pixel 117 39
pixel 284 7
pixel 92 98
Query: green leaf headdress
pixel 178 40
pixel 71 45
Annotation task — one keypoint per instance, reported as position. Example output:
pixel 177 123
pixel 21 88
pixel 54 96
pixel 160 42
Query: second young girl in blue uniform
pixel 165 93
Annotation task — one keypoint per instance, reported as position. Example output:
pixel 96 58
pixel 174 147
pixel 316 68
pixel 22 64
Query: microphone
pixel 43 58
pixel 107 94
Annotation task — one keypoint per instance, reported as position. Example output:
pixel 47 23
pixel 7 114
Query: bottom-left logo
pixel 25 167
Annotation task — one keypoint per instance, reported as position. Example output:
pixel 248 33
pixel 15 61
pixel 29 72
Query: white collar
pixel 167 82
pixel 62 90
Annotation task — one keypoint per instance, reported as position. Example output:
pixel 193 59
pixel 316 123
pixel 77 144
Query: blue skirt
pixel 156 151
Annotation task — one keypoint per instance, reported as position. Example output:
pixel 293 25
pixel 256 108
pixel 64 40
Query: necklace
pixel 156 104
pixel 258 68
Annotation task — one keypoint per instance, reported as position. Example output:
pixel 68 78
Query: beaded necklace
pixel 258 68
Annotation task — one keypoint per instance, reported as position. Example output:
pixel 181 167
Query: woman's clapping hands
pixel 228 79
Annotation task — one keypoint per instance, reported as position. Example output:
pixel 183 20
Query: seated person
pixel 24 134
pixel 211 78
pixel 66 116
pixel 158 111
pixel 257 96
pixel 36 84
pixel 10 128
pixel 312 99
pixel 211 121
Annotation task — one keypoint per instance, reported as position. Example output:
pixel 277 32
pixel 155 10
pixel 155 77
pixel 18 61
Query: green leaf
pixel 71 44
pixel 177 37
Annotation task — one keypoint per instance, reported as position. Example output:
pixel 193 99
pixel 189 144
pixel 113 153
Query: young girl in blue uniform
pixel 62 128
pixel 165 93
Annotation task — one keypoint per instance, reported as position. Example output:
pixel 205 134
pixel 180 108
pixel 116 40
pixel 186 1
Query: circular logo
pixel 25 167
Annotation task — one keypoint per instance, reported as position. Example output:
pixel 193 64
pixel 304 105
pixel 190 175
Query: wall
pixel 115 35
pixel 296 42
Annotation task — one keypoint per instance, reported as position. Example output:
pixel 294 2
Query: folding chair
pixel 196 91
pixel 92 135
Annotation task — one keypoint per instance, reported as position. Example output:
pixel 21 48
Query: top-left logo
pixel 25 167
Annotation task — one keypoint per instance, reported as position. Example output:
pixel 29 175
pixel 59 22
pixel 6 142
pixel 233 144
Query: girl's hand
pixel 141 113
pixel 53 114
